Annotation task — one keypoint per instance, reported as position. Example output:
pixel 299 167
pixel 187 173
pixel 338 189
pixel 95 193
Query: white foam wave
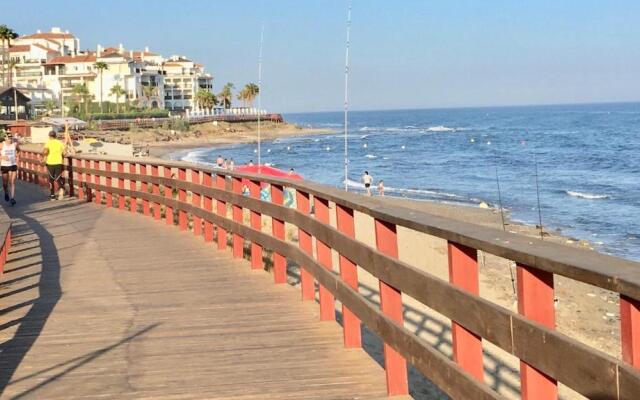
pixel 364 136
pixel 588 196
pixel 415 192
pixel 440 128
pixel 371 156
pixel 366 129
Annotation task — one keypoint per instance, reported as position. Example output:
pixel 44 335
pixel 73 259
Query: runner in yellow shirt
pixel 54 155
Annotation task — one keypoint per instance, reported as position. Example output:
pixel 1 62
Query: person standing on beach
pixel 219 161
pixel 367 179
pixel 9 166
pixel 54 153
pixel 225 164
pixel 251 163
pixel 381 188
pixel 232 164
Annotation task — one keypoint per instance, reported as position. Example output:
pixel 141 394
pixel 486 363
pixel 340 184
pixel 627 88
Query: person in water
pixel 231 165
pixel 291 171
pixel 219 161
pixel 367 179
pixel 381 188
pixel 9 166
pixel 251 163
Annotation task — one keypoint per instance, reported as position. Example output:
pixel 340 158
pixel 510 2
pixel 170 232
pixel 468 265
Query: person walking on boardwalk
pixel 54 155
pixel 9 167
pixel 367 179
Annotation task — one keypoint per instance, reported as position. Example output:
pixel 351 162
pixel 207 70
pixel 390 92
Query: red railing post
pixel 256 223
pixel 155 188
pixel 195 200
pixel 327 303
pixel 109 185
pixel 77 164
pixel 535 302
pixel 96 180
pixel 464 273
pixel 182 196
pixel 277 229
pixel 630 330
pixel 207 204
pixel 168 193
pixel 304 240
pixel 144 188
pixel 71 176
pixel 349 274
pixel 238 241
pixel 121 202
pixel 221 207
pixel 391 305
pixel 86 177
pixel 133 187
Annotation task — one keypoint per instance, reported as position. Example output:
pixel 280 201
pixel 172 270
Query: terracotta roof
pixel 44 48
pixel 172 64
pixel 49 35
pixel 19 48
pixel 71 59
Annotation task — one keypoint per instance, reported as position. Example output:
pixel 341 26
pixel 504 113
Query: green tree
pixel 6 34
pixel 225 95
pixel 81 93
pixel 101 66
pixel 206 99
pixel 148 92
pixel 117 91
pixel 50 105
pixel 251 92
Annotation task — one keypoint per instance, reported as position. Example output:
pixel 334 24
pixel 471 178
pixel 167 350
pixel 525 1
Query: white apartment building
pixel 48 65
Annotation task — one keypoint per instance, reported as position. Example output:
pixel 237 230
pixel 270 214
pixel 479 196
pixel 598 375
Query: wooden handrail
pixel 543 350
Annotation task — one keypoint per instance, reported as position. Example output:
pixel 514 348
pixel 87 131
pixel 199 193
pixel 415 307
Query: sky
pixel 404 53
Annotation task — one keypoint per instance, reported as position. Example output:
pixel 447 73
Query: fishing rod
pixel 535 161
pixel 260 95
pixel 346 103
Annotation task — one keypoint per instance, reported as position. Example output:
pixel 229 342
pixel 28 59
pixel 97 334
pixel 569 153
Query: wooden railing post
pixel 535 302
pixel 182 196
pixel 349 274
pixel 256 223
pixel 121 200
pixel 327 302
pixel 238 241
pixel 96 180
pixel 221 207
pixel 86 177
pixel 109 185
pixel 195 200
pixel 277 229
pixel 630 330
pixel 464 273
pixel 168 193
pixel 304 241
pixel 71 176
pixel 207 204
pixel 391 305
pixel 155 189
pixel 144 188
pixel 77 164
pixel 133 186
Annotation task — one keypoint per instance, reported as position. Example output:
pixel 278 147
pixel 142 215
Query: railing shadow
pixel 422 324
pixel 31 325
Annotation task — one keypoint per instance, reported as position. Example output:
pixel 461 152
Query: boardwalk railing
pixel 211 203
pixel 5 240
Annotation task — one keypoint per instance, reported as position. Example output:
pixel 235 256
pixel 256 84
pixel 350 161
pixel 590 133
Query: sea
pixel 575 166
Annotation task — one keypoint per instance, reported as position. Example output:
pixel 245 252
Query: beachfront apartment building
pixel 47 65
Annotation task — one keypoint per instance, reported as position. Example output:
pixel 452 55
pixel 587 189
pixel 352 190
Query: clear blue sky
pixel 405 54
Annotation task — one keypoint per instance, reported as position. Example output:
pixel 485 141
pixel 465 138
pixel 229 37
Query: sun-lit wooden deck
pixel 97 303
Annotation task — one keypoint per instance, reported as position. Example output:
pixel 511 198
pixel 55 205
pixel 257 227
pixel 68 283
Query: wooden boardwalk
pixel 99 303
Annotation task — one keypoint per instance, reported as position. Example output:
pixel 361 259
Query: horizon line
pixel 471 107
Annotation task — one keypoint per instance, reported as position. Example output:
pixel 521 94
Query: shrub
pixel 131 115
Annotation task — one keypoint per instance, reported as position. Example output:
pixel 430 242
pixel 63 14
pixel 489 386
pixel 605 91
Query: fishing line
pixel 346 103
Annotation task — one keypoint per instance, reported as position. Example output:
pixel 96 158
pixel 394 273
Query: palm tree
pixel 148 92
pixel 11 65
pixel 81 92
pixel 205 99
pixel 242 96
pixel 50 105
pixel 117 91
pixel 225 95
pixel 252 91
pixel 6 34
pixel 101 66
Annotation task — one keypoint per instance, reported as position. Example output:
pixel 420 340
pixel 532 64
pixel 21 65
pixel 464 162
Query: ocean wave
pixel 440 128
pixel 371 156
pixel 366 129
pixel 588 196
pixel 411 191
